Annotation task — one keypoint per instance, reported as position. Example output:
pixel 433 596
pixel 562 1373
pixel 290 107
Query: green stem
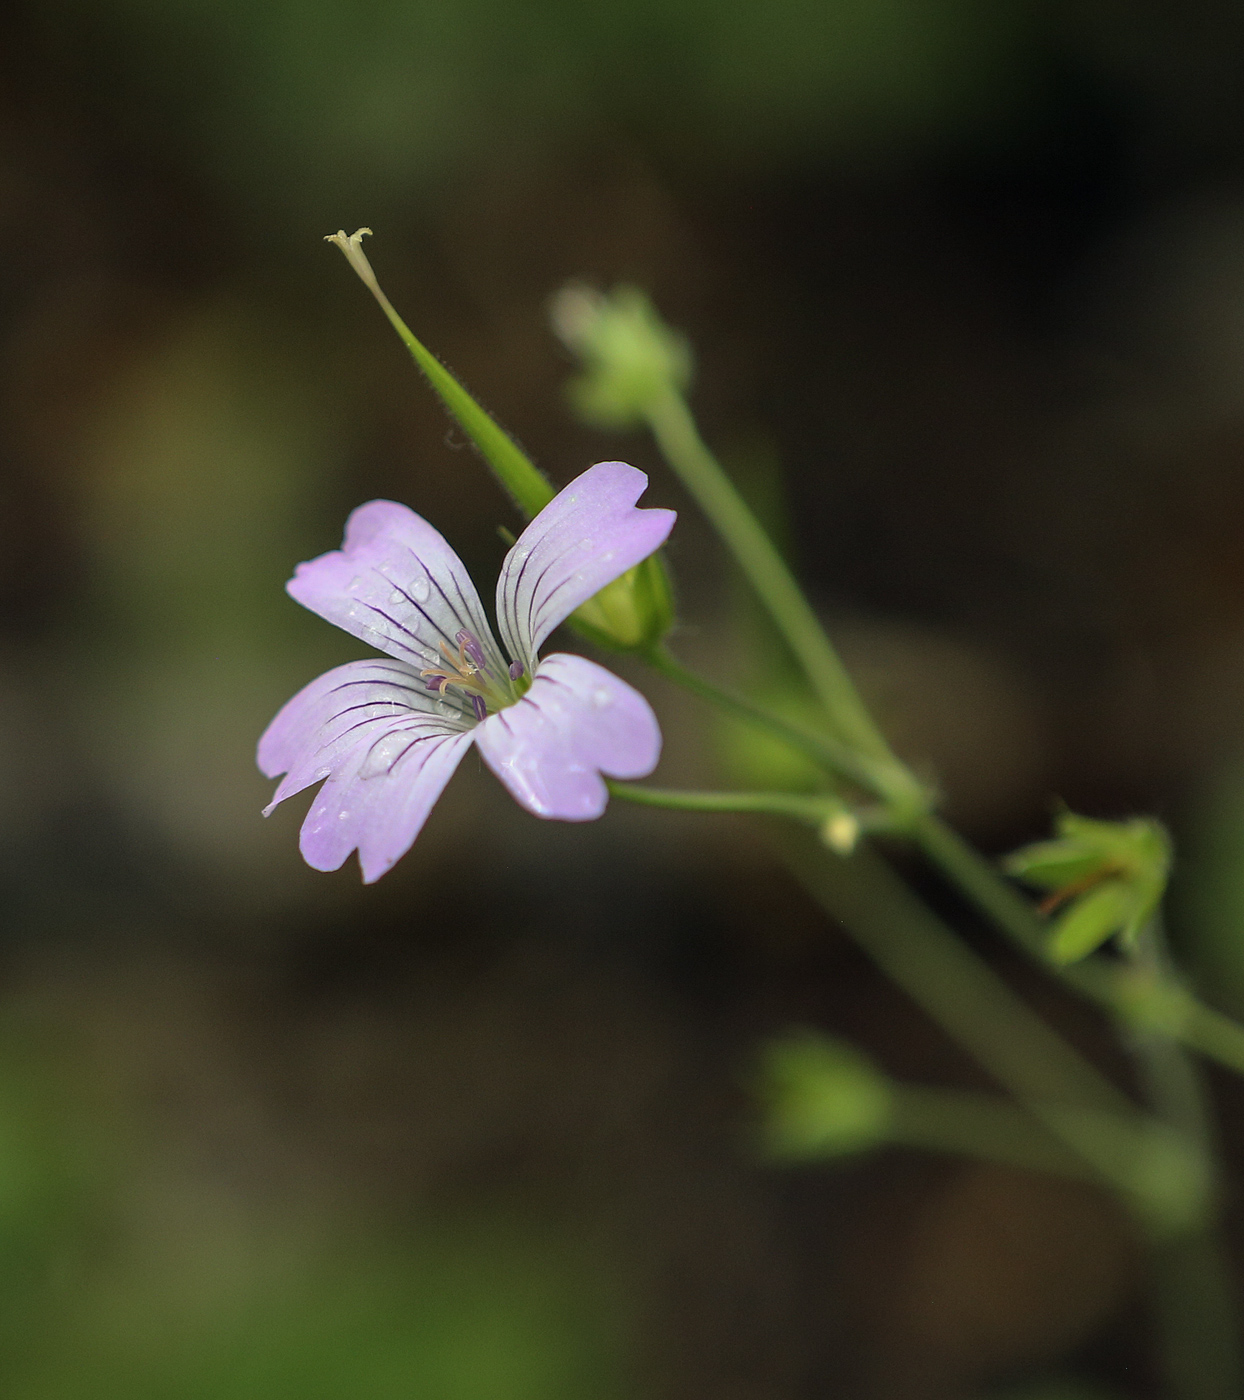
pixel 674 428
pixel 864 756
pixel 832 755
pixel 1194 1291
pixel 959 991
pixel 977 879
pixel 978 1125
pixel 1058 1087
pixel 1214 1035
pixel 814 811
pixel 1200 1027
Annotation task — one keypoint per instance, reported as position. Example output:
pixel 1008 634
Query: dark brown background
pixel 966 282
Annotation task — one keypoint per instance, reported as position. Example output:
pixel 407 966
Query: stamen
pixel 468 670
pixel 516 670
pixel 468 645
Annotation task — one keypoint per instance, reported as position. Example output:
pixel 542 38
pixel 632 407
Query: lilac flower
pixel 386 735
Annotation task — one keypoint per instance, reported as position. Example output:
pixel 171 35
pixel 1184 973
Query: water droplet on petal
pixel 420 589
pixel 341 816
pixel 397 596
pixel 385 752
pixel 585 544
pixel 601 698
pixel 322 772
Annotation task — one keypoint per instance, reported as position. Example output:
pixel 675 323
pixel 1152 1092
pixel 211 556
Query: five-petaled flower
pixel 386 735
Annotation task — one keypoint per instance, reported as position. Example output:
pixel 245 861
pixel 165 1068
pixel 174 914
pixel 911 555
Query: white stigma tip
pixel 352 246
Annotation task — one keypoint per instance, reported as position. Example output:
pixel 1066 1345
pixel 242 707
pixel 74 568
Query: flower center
pixel 467 670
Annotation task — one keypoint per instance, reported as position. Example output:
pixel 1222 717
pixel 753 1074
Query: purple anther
pixel 434 683
pixel 516 670
pixel 477 704
pixel 470 645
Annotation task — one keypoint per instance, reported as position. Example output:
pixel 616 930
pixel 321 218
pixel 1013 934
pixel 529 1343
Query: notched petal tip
pixel 589 534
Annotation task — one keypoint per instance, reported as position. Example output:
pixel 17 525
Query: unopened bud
pixel 822 1099
pixel 630 356
pixel 633 613
pixel 1106 878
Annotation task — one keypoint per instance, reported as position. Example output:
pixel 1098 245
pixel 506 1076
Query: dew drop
pixel 341 816
pixel 322 772
pixel 420 589
pixel 586 544
pixel 397 596
pixel 601 698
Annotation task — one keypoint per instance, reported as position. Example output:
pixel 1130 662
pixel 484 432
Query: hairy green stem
pixel 527 485
pixel 1212 1034
pixel 1162 1166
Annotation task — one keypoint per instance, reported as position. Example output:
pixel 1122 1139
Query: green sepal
pixel 1113 873
pixel 633 613
pixel 1090 920
pixel 821 1099
pixel 1049 865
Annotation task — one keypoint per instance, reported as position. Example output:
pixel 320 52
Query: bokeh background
pixel 966 285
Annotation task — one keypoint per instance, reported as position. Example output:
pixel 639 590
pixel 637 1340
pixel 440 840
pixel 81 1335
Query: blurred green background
pixel 966 283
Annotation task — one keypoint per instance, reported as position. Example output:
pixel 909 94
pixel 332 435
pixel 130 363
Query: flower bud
pixel 630 356
pixel 1107 877
pixel 633 613
pixel 822 1099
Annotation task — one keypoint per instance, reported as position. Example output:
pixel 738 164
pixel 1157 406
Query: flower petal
pixel 397 585
pixel 378 801
pixel 374 731
pixel 576 722
pixel 350 705
pixel 583 539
